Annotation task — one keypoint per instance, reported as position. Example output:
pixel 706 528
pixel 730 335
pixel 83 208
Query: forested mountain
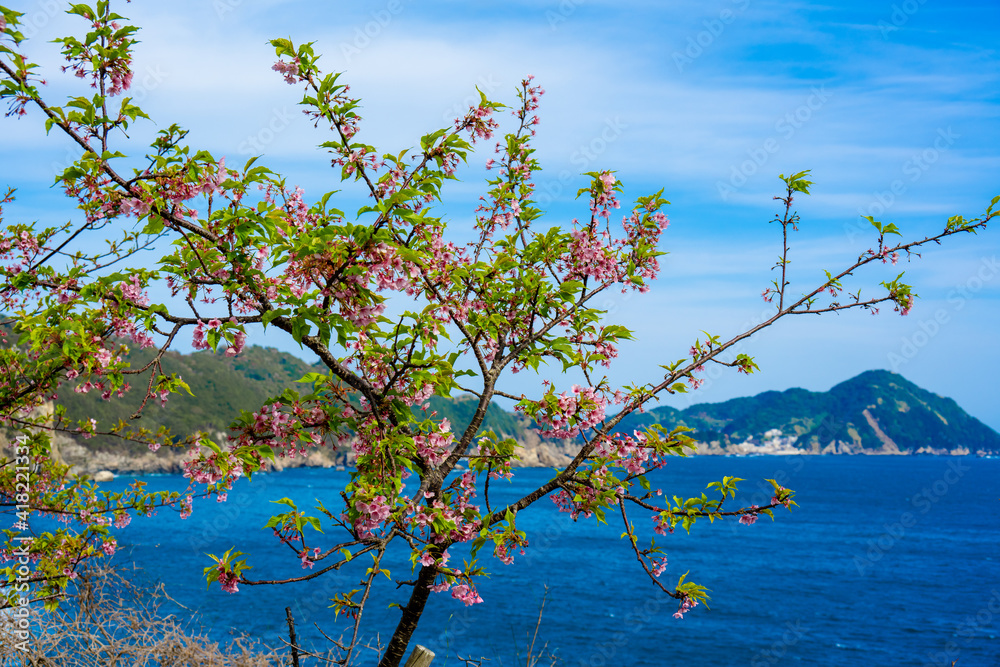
pixel 221 387
pixel 875 412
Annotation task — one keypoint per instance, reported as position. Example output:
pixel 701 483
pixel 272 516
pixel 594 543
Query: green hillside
pixel 875 411
pixel 220 385
pixel 460 411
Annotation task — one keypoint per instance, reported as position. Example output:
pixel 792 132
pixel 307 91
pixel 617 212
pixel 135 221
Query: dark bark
pixel 411 616
pixel 291 635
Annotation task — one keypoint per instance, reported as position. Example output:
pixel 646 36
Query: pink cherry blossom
pixel 466 594
pixel 288 70
pixel 687 604
pixel 109 546
pixel 750 518
pixel 228 579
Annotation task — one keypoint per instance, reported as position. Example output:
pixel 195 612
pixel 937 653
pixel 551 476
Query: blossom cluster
pixel 566 415
pixel 435 447
pixel 687 604
pixel 450 509
pixel 629 451
pixel 371 515
pixel 750 518
pixel 103 56
pixel 227 579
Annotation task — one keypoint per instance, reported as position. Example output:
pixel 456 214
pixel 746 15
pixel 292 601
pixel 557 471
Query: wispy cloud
pixel 709 100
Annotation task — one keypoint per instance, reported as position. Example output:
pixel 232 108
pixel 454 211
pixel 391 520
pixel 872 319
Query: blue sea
pixel 886 561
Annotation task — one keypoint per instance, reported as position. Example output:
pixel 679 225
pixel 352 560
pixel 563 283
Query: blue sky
pixel 708 100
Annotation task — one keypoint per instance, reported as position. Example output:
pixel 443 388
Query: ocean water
pixel 887 561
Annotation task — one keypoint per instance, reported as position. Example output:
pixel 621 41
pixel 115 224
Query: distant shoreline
pixel 140 466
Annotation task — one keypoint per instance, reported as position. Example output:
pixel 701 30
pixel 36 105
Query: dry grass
pixel 112 621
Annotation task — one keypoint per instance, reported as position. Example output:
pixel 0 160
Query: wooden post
pixel 421 657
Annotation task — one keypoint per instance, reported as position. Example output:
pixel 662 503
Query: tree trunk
pixel 411 616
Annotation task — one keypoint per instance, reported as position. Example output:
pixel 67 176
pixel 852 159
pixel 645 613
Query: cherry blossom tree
pixel 238 248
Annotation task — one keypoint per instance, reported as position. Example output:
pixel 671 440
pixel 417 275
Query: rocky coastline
pixel 537 453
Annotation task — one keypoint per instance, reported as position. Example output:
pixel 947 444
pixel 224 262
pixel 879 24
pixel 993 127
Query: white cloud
pixel 617 99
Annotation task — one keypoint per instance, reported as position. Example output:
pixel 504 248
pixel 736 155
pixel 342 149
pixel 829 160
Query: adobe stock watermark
pixel 564 11
pixel 697 43
pixel 922 502
pixel 928 328
pixel 366 34
pixel 223 7
pixel 254 144
pixel 967 630
pixel 35 19
pixel 634 622
pixel 785 128
pixel 774 654
pixel 583 158
pixel 899 17
pixel 20 615
pixel 913 169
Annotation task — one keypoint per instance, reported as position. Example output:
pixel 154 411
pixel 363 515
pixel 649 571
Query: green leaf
pixel 271 315
pixel 211 445
pixel 797 182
